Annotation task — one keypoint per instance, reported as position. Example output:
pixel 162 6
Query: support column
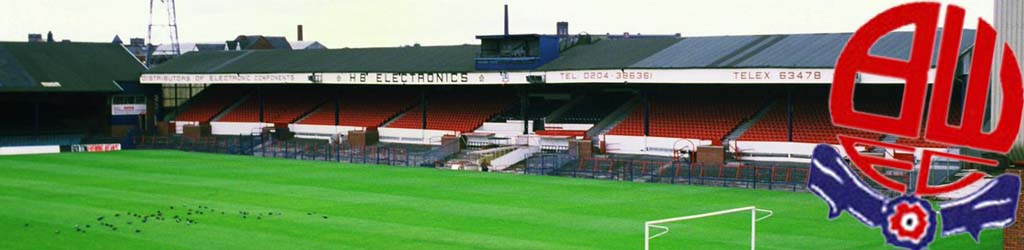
pixel 524 103
pixel 35 118
pixel 646 103
pixel 337 109
pixel 789 113
pixel 259 99
pixel 423 107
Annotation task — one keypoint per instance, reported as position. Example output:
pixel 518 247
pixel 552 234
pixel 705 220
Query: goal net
pixel 660 228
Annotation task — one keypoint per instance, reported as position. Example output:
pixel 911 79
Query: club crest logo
pixel 910 221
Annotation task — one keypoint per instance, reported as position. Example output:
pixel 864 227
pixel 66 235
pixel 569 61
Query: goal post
pixel 753 223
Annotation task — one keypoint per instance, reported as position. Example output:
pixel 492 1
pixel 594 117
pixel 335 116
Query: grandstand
pixel 59 93
pixel 757 98
pixel 639 95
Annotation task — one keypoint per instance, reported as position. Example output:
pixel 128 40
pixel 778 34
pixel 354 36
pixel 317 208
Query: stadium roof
pixel 66 67
pixel 776 51
pixel 457 58
pixel 609 54
pixel 714 52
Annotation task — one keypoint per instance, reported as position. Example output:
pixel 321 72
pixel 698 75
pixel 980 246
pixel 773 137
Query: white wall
pixel 649 145
pixel 26 150
pixel 179 126
pixel 797 151
pixel 507 129
pixel 237 128
pixel 568 126
pixel 413 136
pixel 322 129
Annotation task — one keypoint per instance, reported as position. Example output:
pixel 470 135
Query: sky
pixel 388 23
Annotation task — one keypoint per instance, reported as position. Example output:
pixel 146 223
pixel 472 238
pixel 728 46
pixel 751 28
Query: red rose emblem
pixel 909 222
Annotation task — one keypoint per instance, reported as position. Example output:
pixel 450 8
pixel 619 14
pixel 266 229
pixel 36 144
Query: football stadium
pixel 519 141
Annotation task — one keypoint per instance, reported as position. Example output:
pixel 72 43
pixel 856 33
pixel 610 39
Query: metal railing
pixel 264 146
pixel 753 176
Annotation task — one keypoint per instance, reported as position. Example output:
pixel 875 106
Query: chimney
pixel 35 38
pixel 49 36
pixel 506 20
pixel 562 28
pixel 300 32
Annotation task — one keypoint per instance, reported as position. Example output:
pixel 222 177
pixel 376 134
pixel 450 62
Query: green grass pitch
pixel 289 204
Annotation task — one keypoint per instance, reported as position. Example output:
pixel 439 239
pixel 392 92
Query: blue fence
pixel 303 150
pixel 754 176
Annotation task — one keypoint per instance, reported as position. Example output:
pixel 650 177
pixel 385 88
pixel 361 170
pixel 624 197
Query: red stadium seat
pixel 361 108
pixel 811 121
pixel 210 102
pixel 708 114
pixel 280 105
pixel 460 111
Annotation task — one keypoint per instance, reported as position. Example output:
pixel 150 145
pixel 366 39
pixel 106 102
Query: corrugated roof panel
pixel 800 51
pixel 770 51
pixel 898 44
pixel 695 52
pixel 894 45
pixel 196 62
pixel 12 75
pixel 76 66
pixel 406 59
pixel 609 54
pixel 792 51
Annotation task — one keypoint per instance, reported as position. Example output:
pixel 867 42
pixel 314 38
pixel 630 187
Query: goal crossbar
pixel 753 221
